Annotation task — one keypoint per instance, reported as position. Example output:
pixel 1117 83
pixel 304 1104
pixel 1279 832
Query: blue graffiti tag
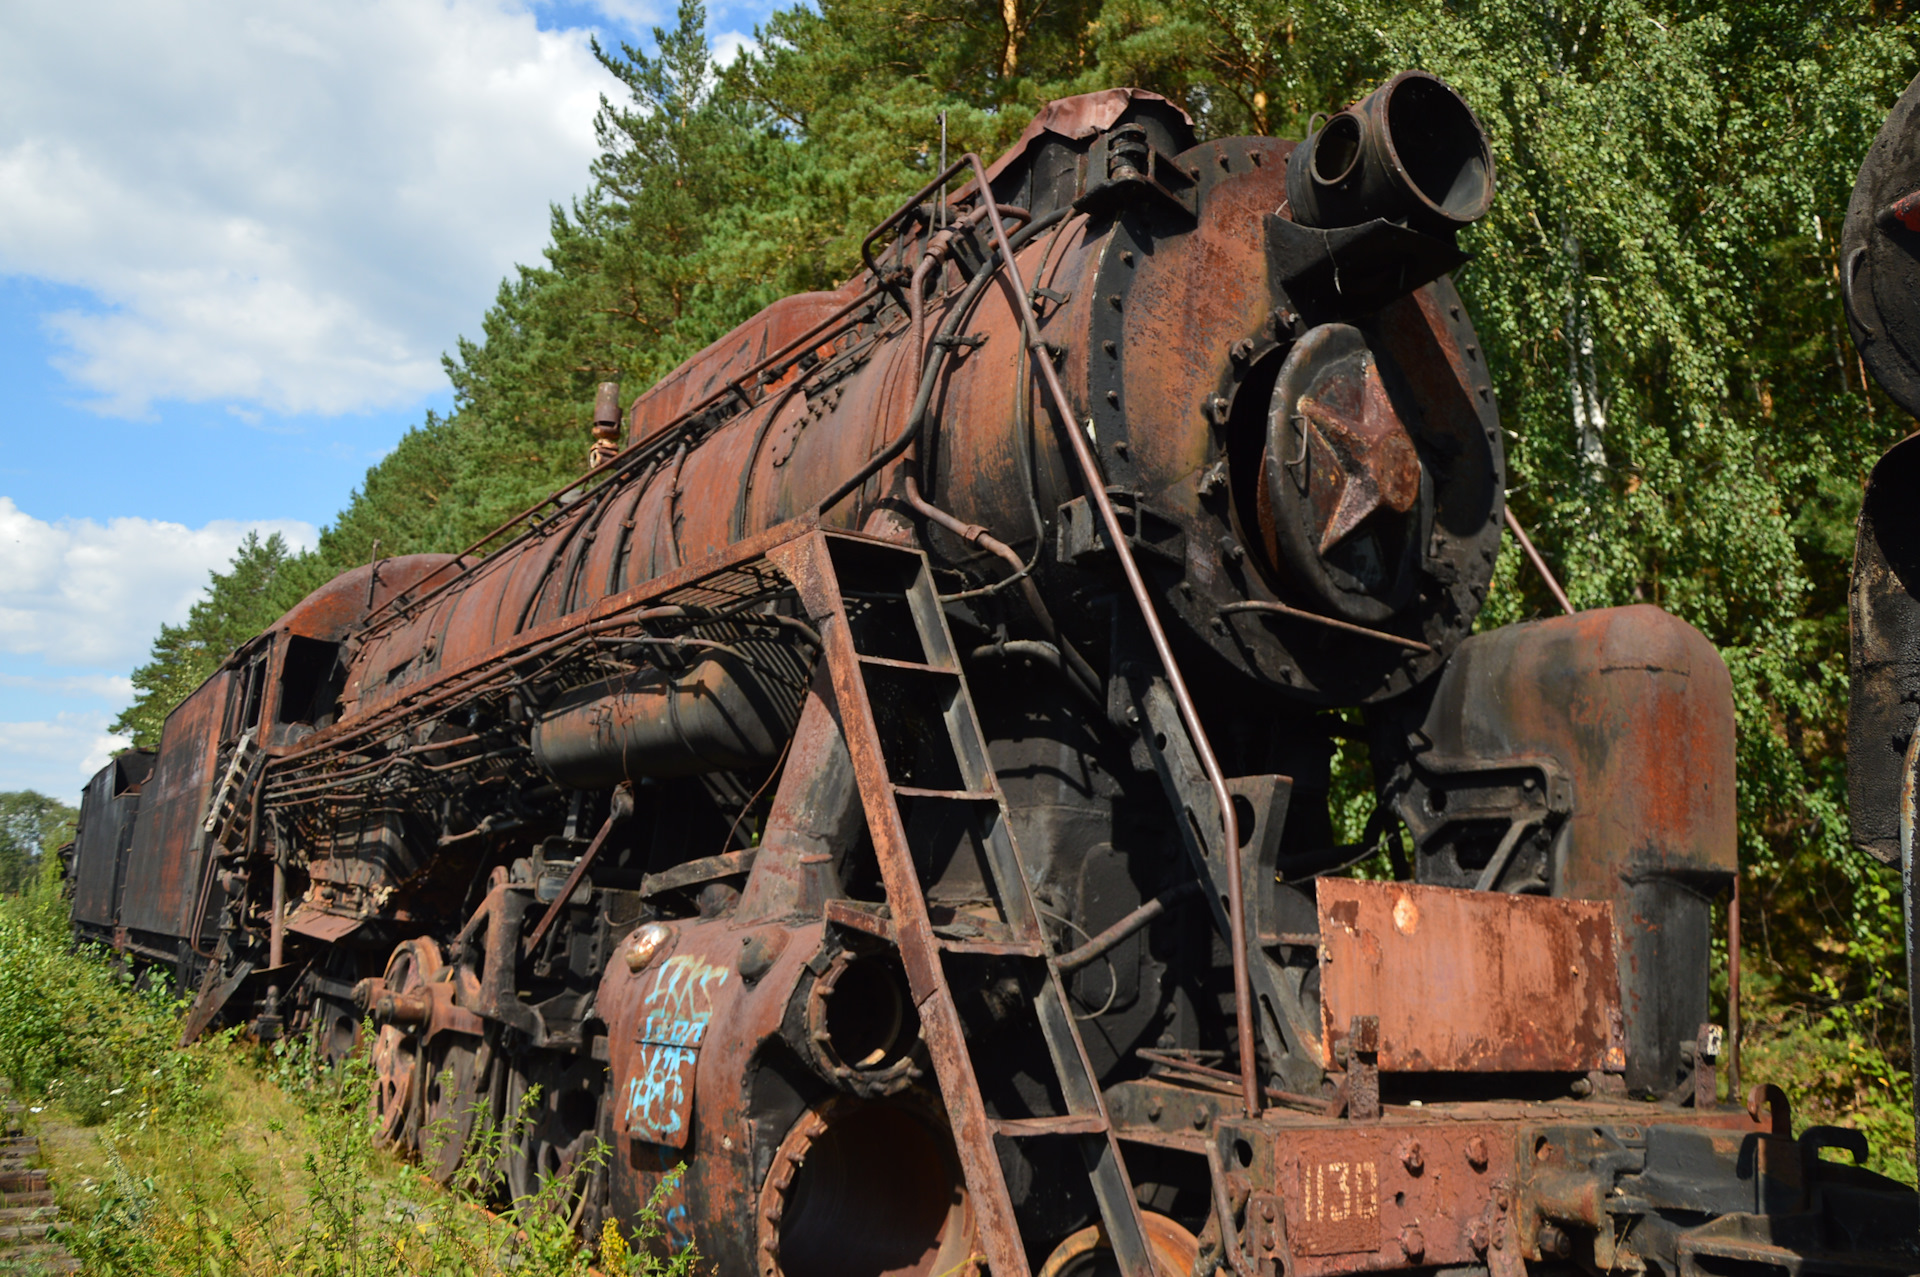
pixel 675 1014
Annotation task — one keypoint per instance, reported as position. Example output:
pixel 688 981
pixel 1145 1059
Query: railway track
pixel 27 1213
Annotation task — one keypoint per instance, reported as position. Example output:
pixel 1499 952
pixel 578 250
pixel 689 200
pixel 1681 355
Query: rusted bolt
pixel 1201 1117
pixel 1113 300
pixel 1502 1196
pixel 1269 1238
pixel 1477 1153
pixel 1411 1158
pixel 1554 1242
pixel 645 944
pixel 1477 1236
pixel 1266 1211
pixel 1241 351
pixel 1154 1109
pixel 1412 1243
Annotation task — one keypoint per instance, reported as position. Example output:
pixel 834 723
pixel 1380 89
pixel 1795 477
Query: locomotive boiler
pixel 886 799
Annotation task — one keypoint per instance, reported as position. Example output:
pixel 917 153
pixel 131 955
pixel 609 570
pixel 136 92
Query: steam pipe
pixel 911 431
pixel 1074 959
pixel 972 533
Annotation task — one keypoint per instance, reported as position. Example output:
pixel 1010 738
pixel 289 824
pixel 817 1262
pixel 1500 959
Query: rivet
pixel 1126 256
pixel 1113 397
pixel 1200 1119
pixel 1113 300
pixel 1109 348
pixel 1410 1157
pixel 1477 1153
pixel 1412 1243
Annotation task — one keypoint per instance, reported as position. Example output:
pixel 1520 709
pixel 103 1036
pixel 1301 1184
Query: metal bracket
pixel 1122 166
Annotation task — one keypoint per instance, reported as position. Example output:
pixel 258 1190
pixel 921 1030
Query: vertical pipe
pixel 277 932
pixel 1733 992
pixel 1907 782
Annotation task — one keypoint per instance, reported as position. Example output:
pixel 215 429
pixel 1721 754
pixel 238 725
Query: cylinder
pixel 718 716
pixel 1411 150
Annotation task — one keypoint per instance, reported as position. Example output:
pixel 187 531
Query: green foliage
pixel 75 1031
pixel 31 826
pixel 239 1160
pixel 239 603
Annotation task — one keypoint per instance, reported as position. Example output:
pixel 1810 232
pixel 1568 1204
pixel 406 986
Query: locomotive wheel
pixel 1087 1254
pixel 396 1048
pixel 453 1094
pixel 866 1188
pixel 560 1128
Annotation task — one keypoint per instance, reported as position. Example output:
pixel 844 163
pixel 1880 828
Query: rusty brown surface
pixel 168 855
pixel 1452 1185
pixel 1637 707
pixel 1468 981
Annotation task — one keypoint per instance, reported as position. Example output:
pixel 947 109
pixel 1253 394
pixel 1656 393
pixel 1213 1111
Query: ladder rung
pixel 887 662
pixel 995 948
pixel 952 795
pixel 1030 1127
pixel 849 913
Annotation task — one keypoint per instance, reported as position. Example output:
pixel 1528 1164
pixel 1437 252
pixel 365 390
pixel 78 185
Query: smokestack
pixel 606 425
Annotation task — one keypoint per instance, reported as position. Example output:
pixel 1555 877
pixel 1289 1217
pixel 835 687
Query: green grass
pixel 226 1159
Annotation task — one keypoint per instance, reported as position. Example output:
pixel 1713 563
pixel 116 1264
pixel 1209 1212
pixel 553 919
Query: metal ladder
pixel 916 744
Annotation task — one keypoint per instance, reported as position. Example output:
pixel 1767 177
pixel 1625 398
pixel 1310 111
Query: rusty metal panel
pixel 1470 981
pixel 107 814
pixel 310 920
pixel 163 869
pixel 677 1002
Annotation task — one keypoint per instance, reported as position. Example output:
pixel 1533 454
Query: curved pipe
pixel 1047 654
pixel 911 431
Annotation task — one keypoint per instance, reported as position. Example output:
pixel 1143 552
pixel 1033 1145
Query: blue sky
pixel 235 238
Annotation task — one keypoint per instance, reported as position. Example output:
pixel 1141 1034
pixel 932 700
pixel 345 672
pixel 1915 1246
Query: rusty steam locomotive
pixel 893 783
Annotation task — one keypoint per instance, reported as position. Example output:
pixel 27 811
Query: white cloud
pixel 290 205
pixel 57 756
pixel 80 593
pixel 729 45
